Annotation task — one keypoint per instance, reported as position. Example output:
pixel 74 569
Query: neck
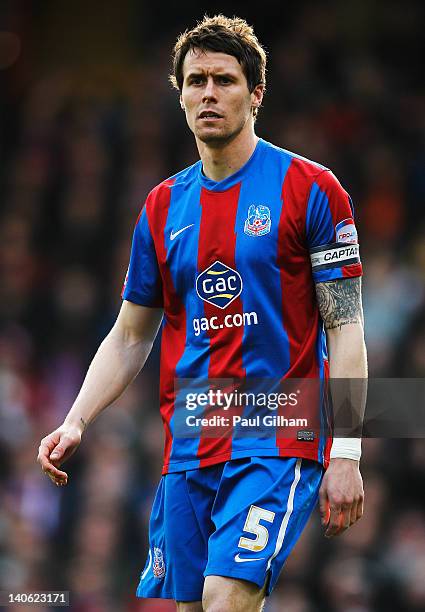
pixel 219 162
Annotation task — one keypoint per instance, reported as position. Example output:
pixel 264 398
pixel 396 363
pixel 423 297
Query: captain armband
pixel 334 255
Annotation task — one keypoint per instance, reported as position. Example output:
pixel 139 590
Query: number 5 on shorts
pixel 252 525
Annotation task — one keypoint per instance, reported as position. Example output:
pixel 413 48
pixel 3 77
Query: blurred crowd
pixel 77 159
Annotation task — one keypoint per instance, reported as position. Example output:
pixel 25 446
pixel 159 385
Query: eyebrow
pixel 219 73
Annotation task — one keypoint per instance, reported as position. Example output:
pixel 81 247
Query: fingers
pixel 353 512
pixel 58 452
pixel 57 476
pixel 334 524
pixel 336 516
pixel 360 508
pixel 323 506
pixel 46 458
pixel 357 509
pixel 343 516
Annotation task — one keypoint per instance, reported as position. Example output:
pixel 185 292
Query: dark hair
pixel 223 35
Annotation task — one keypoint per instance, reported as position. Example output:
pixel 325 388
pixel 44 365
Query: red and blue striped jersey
pixel 233 264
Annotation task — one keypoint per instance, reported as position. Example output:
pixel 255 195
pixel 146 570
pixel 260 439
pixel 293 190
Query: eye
pixel 224 80
pixel 196 80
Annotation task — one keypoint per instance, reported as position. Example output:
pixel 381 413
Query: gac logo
pixel 219 285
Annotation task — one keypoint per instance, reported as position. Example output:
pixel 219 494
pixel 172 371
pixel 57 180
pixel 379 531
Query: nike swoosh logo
pixel 175 234
pixel 238 559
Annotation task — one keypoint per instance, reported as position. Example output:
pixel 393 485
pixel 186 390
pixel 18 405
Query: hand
pixel 341 496
pixel 56 448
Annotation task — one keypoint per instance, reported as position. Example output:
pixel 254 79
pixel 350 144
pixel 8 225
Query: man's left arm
pixel 341 493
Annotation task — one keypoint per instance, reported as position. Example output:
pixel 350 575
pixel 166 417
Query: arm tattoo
pixel 339 302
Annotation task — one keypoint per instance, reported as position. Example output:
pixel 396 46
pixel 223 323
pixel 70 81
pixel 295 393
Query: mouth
pixel 207 115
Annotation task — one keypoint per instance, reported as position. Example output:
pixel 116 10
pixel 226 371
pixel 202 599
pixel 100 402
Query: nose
pixel 209 91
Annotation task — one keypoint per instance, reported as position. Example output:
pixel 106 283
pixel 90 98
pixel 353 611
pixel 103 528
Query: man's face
pixel 215 96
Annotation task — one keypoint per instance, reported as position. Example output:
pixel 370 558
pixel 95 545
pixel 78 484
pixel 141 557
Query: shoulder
pixel 303 173
pixel 297 164
pixel 182 178
pixel 158 199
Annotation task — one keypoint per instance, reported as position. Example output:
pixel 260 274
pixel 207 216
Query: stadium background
pixel 88 124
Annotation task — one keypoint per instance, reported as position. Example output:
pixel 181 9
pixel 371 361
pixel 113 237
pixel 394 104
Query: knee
pixel 215 606
pixel 189 606
pixel 231 595
pixel 220 602
pixel 214 601
pixel 227 605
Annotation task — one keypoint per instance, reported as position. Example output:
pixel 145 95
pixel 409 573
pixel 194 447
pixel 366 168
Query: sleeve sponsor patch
pixel 345 231
pixel 334 255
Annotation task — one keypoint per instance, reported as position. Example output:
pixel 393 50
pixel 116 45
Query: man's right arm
pixel 117 362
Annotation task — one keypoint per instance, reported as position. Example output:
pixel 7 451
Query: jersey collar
pixel 231 180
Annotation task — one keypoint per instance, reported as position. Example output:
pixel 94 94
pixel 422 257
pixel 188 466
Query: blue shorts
pixel 238 519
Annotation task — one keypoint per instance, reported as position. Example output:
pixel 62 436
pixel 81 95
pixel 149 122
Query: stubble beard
pixel 220 138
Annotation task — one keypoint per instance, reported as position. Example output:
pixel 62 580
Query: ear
pixel 257 96
pixel 181 103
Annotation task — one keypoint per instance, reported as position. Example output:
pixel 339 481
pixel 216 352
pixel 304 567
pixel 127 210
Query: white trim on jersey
pixel 289 509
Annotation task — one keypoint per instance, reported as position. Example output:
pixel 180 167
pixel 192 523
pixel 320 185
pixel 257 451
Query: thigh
pixel 262 505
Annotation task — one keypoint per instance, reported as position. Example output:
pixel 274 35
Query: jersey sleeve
pixel 330 231
pixel 143 284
